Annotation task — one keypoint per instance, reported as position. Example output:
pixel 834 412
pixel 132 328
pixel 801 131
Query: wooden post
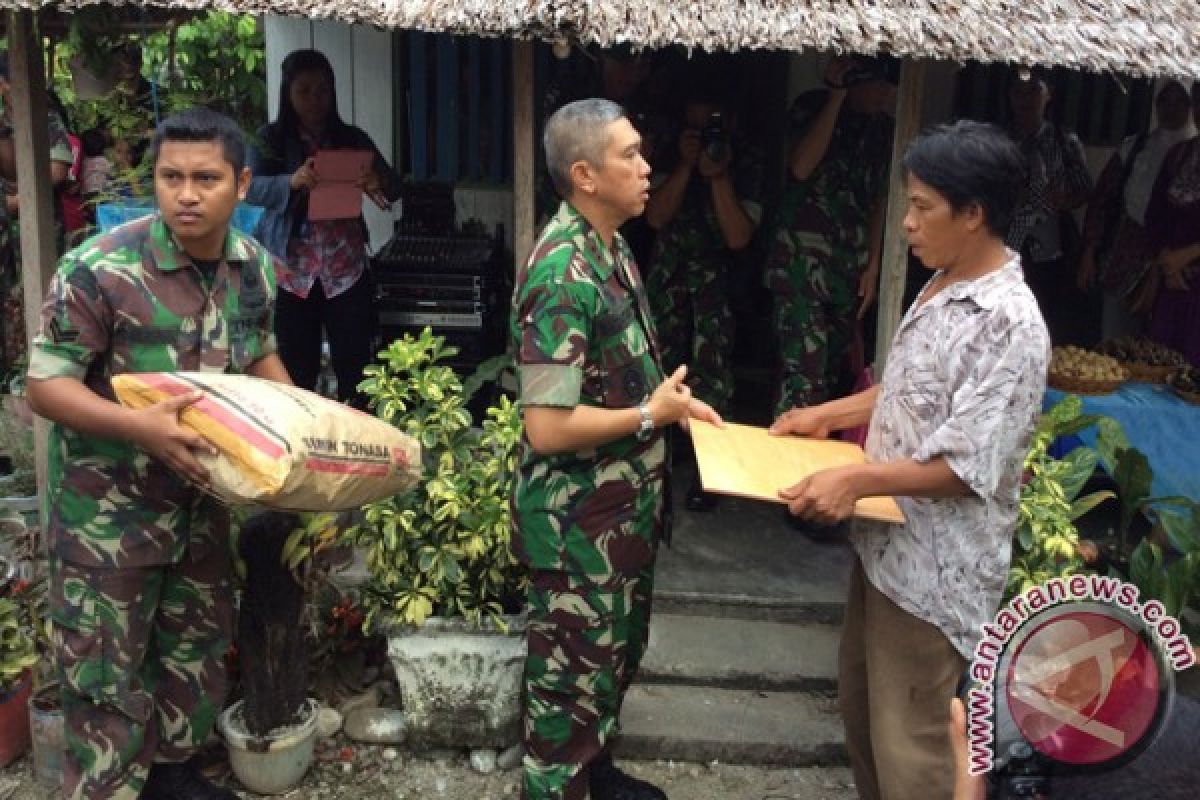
pixel 523 161
pixel 894 267
pixel 34 191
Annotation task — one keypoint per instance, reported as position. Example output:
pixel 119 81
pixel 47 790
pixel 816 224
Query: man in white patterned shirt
pixel 950 424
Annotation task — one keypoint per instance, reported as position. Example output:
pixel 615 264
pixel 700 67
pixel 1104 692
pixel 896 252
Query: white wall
pixel 362 65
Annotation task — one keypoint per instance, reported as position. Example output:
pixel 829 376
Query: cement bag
pixel 280 446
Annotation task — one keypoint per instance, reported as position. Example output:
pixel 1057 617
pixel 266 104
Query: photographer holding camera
pixel 823 261
pixel 704 212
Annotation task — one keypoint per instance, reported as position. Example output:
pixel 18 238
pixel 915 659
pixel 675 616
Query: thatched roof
pixel 1138 37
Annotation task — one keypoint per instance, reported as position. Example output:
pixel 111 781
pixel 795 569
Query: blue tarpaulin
pixel 1163 426
pixel 110 215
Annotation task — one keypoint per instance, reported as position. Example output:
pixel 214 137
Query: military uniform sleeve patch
pixel 61 332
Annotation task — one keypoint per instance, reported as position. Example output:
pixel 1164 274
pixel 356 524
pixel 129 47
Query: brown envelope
pixel 745 461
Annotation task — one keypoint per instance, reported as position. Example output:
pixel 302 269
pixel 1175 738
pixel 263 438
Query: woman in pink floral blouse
pixel 324 284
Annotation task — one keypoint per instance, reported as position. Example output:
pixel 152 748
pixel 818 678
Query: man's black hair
pixel 970 162
pixel 94 141
pixel 202 125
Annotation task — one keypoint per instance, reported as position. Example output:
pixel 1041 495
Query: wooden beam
pixel 34 191
pixel 894 268
pixel 523 153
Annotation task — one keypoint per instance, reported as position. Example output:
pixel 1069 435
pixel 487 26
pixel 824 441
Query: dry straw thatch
pixel 1136 37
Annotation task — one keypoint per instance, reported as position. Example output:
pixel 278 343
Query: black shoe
pixel 182 782
pixel 699 500
pixel 606 782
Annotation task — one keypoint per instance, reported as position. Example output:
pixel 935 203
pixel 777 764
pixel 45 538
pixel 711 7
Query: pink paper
pixel 337 195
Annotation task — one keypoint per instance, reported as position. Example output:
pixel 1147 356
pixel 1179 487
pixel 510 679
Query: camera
pixel 858 74
pixel 712 137
pixel 1024 773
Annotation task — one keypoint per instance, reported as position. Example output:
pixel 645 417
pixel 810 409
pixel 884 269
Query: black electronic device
pixel 713 137
pixel 427 208
pixel 450 283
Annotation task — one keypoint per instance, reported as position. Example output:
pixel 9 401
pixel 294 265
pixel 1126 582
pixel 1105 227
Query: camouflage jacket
pixel 582 334
pixel 132 301
pixel 836 199
pixel 692 242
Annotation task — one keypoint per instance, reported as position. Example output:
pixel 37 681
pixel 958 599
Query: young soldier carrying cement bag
pixel 282 446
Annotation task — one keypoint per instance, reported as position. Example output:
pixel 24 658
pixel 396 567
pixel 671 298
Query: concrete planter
pixel 271 764
pixel 461 686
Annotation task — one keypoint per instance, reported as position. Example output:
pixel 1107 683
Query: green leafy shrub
pixel 444 548
pixel 1046 543
pixel 18 650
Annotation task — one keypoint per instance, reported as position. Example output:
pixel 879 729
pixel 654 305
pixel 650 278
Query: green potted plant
pixel 444 585
pixel 272 730
pixel 1046 543
pixel 95 49
pixel 1165 562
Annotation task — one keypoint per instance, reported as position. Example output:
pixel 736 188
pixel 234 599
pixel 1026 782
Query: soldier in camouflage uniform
pixel 140 585
pixel 824 257
pixel 704 212
pixel 630 79
pixel 588 501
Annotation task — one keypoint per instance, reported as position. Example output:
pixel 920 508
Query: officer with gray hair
pixel 588 506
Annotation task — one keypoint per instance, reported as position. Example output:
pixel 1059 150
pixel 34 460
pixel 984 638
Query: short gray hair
pixel 577 132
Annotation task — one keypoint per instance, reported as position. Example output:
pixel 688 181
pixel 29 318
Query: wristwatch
pixel 646 428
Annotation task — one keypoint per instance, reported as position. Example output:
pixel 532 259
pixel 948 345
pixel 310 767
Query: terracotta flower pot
pixel 14 721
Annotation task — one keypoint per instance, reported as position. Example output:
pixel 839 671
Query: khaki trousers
pixel 896 676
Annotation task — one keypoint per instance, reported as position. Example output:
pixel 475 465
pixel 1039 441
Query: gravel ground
pixel 379 773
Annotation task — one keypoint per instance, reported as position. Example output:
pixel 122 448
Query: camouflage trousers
pixel 695 327
pixel 815 288
pixel 586 641
pixel 140 657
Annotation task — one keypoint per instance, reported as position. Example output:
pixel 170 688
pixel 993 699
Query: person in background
pixel 325 284
pixel 704 213
pixel 1173 226
pixel 68 194
pixel 141 582
pixel 97 169
pixel 1043 230
pixel 950 424
pixel 1116 252
pixel 823 263
pixel 588 499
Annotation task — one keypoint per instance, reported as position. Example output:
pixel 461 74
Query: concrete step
pixel 740 654
pixel 741 606
pixel 733 726
pixel 746 557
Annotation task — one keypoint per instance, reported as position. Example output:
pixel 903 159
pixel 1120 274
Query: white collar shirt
pixel 964 380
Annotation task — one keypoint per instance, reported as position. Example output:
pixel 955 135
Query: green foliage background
pixel 219 61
